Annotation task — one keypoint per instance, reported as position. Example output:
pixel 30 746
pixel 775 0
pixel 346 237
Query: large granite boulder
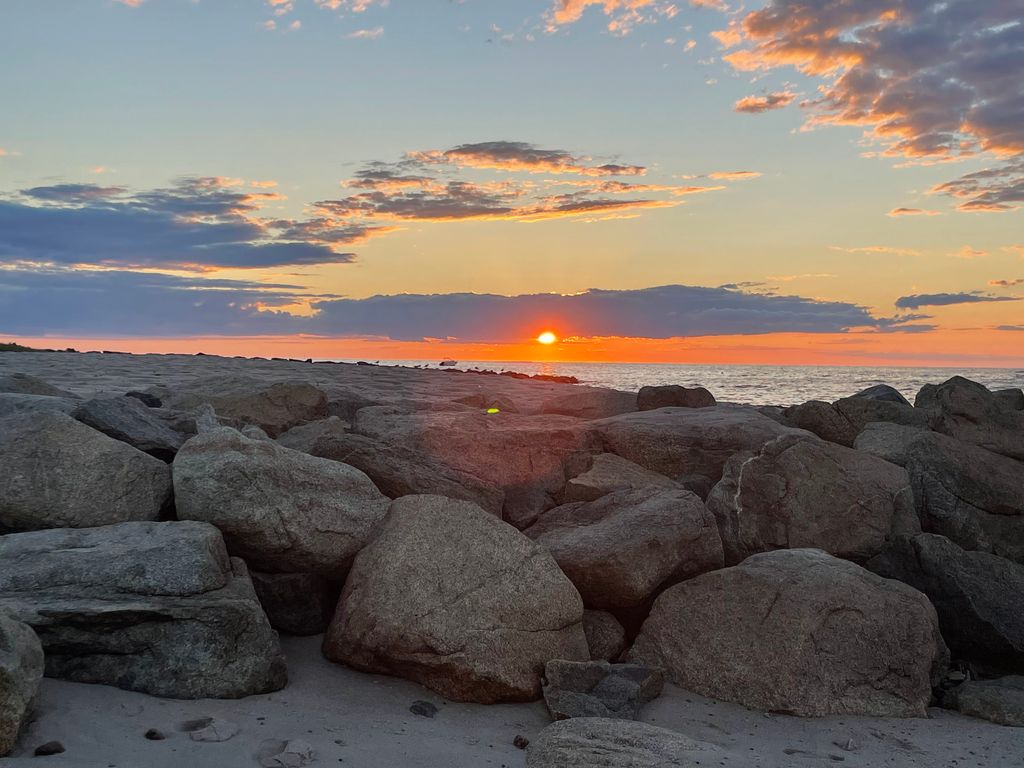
pixel 151 607
pixel 23 384
pixel 799 491
pixel 966 410
pixel 11 403
pixel 979 597
pixel 622 548
pixel 840 422
pixel 590 403
pixel 282 510
pixel 1000 701
pixel 968 494
pixel 305 436
pixel 1010 399
pixel 128 420
pixel 599 742
pixel 801 632
pixel 528 457
pixel 58 472
pixel 609 473
pixel 451 597
pixel 599 689
pixel 275 408
pixel 398 470
pixel 21 669
pixel 296 603
pixel 681 442
pixel 673 396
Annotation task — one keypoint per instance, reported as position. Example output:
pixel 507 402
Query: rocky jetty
pixel 166 521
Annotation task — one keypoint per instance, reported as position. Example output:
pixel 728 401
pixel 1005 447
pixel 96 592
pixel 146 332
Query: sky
pixel 776 181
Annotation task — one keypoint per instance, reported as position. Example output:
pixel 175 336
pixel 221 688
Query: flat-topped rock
pixel 451 597
pixel 274 407
pixel 620 549
pixel 23 384
pixel 799 491
pixel 585 403
pixel 127 419
pixel 598 742
pixel 281 510
pixel 58 472
pixel 801 632
pixel 151 607
pixel 687 441
pixel 609 473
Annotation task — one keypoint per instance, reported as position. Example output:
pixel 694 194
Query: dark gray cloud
pixel 199 223
pixel 122 303
pixel 947 299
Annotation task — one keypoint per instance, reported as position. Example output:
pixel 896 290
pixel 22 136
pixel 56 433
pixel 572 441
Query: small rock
pixel 211 729
pixel 49 748
pixel 148 400
pixel 520 742
pixel 423 709
pixel 599 689
pixel 155 735
pixel 274 753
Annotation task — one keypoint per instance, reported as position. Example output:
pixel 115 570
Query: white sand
pixel 359 720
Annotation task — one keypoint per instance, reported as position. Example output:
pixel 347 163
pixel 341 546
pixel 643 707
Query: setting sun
pixel 547 338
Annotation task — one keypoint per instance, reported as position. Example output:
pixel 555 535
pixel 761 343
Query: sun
pixel 547 338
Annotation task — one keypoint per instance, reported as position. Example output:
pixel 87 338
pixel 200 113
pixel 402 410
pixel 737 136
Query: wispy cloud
pixel 373 33
pixel 765 103
pixel 522 156
pixel 885 249
pixel 1006 283
pixel 970 253
pixel 948 299
pixel 897 212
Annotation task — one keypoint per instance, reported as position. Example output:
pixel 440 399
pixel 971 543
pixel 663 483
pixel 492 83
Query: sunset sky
pixel 820 181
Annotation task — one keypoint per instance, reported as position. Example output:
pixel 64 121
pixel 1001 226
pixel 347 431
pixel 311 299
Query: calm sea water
pixel 756 384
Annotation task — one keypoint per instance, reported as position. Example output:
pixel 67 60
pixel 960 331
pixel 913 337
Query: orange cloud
pixel 765 103
pixel 896 212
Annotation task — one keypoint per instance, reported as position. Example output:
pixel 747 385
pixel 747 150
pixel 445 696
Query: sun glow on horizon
pixel 547 337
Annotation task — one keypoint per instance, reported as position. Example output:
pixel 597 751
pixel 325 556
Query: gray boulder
pixel 882 393
pixel 23 384
pixel 529 458
pixel 281 510
pixel 11 403
pixel 609 473
pixel 398 470
pixel 687 441
pixel 590 403
pixel 151 607
pixel 275 408
pixel 1011 399
pixel 596 742
pixel 451 597
pixel 801 632
pixel 21 669
pixel 606 637
pixel 1000 701
pixel 840 422
pixel 599 689
pixel 673 396
pixel 978 597
pixel 622 548
pixel 970 495
pixel 58 472
pixel 296 603
pixel 799 491
pixel 306 436
pixel 128 420
pixel 967 411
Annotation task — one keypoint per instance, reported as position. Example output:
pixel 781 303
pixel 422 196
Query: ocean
pixel 754 384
